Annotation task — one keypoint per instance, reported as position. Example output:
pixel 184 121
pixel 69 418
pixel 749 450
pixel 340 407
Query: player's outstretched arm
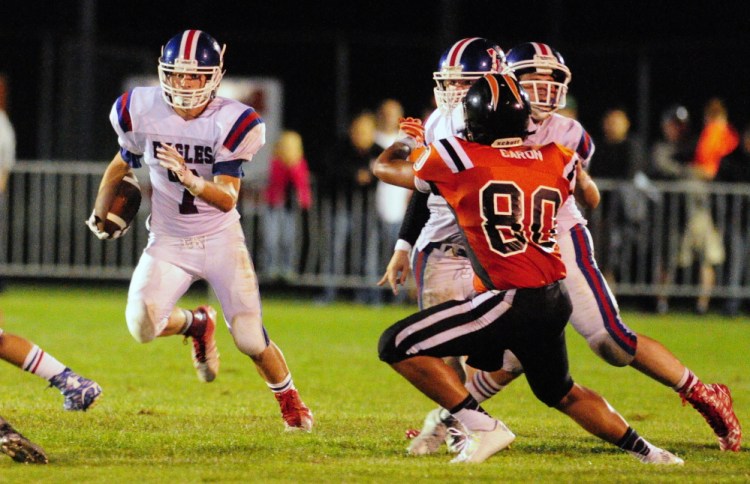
pixel 393 168
pixel 586 189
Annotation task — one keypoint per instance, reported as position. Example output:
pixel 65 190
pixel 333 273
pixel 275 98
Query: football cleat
pixel 432 435
pixel 477 446
pixel 658 456
pixel 18 447
pixel 80 393
pixel 714 402
pixel 295 413
pixel 205 354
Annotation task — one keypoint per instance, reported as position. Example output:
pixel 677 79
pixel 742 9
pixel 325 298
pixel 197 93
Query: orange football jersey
pixel 505 201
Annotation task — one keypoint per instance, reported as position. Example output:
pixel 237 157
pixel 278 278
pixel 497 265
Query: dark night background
pixel 684 52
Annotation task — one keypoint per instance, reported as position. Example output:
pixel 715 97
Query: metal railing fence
pixel 641 234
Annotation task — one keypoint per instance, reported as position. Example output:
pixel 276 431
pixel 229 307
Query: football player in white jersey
pixel 194 144
pixel 542 72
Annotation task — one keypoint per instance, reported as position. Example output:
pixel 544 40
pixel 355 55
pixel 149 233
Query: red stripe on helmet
pixel 188 42
pixel 542 49
pixel 457 50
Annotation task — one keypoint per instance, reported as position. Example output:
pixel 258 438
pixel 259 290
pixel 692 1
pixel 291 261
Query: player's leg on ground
pixel 592 412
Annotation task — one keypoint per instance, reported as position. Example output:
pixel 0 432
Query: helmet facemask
pixel 547 96
pixel 174 63
pixel 447 94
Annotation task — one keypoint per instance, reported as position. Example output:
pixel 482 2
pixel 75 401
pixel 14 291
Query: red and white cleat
pixel 205 354
pixel 714 402
pixel 295 413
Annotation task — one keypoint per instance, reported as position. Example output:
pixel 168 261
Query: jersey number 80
pixel 503 209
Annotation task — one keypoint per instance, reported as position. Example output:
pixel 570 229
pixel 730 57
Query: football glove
pixel 412 128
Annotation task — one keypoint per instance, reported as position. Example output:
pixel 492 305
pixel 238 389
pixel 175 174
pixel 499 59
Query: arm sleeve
pixel 415 218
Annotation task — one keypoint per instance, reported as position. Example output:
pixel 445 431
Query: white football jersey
pixel 569 133
pixel 441 225
pixel 224 136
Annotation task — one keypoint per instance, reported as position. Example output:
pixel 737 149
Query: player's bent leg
pixel 142 321
pixel 155 287
pixel 252 339
pixel 592 412
pixel 596 315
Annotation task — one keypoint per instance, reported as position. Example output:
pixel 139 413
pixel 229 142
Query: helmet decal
pixel 494 90
pixel 513 87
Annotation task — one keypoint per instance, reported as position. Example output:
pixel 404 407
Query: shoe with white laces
pixel 80 393
pixel 714 402
pixel 433 434
pixel 205 354
pixel 18 447
pixel 477 446
pixel 658 456
pixel 295 413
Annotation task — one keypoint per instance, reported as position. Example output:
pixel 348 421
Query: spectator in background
pixel 672 154
pixel 390 200
pixel 619 156
pixel 736 169
pixel 288 181
pixel 701 238
pixel 7 156
pixel 717 140
pixel 347 192
pixel 670 160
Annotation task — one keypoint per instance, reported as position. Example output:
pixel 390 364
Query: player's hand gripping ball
pixel 121 213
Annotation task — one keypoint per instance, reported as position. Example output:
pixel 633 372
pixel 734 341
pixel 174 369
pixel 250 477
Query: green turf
pixel 158 423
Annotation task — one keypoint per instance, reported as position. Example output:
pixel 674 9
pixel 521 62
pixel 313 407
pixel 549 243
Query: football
pixel 125 205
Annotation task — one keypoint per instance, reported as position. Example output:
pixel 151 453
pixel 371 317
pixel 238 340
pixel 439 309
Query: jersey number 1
pixel 187 205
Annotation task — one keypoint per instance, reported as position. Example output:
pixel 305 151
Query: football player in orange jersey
pixel 505 198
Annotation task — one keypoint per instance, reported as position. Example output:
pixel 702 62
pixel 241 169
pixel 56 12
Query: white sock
pixel 42 364
pixel 285 384
pixel 482 387
pixel 475 420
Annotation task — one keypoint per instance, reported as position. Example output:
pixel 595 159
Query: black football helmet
pixel 496 111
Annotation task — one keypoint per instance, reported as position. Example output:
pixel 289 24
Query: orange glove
pixel 412 127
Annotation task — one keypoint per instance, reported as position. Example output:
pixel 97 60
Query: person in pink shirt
pixel 287 195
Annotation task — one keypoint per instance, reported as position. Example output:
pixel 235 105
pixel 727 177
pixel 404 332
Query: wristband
pixel 196 188
pixel 401 244
pixel 410 142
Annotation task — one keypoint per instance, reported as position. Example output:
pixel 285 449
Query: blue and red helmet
pixel 466 60
pixel 549 92
pixel 193 53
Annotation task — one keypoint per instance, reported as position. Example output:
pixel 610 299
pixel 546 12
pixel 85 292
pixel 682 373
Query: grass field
pixel 158 423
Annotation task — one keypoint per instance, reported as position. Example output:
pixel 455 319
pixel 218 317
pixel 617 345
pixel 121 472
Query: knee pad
pixel 607 349
pixel 141 324
pixel 249 335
